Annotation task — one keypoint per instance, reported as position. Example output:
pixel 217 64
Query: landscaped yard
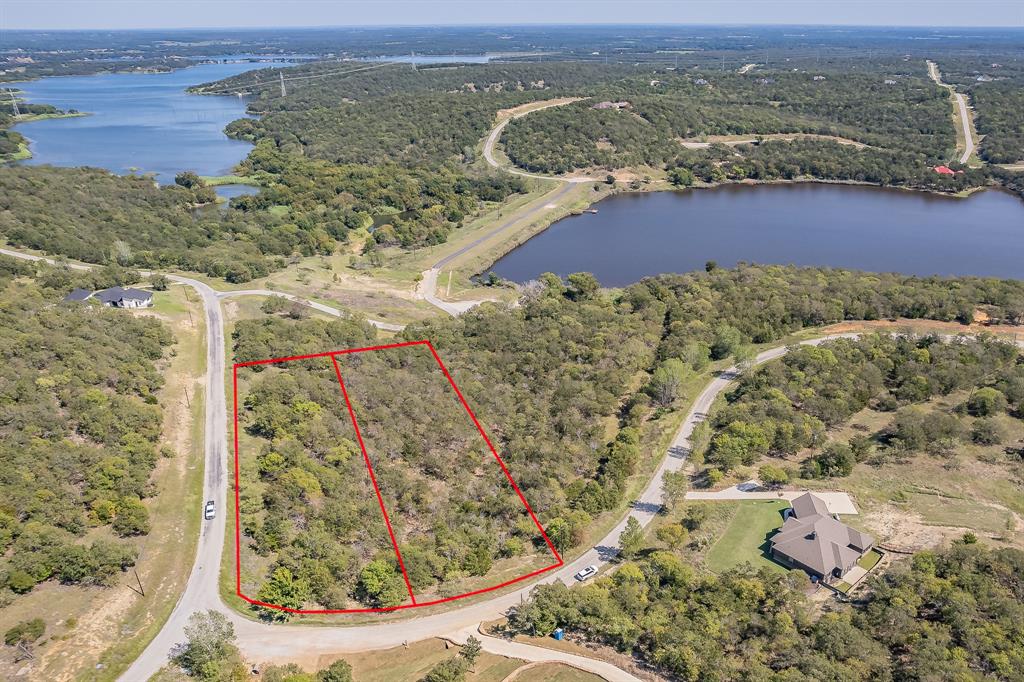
pixel 869 560
pixel 746 537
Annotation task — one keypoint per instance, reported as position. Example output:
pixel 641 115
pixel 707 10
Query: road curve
pixel 495 135
pixel 329 310
pixel 261 642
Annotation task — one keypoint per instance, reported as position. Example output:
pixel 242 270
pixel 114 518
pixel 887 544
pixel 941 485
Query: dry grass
pixel 108 627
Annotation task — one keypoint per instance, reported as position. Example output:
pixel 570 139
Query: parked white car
pixel 586 574
pixel 210 510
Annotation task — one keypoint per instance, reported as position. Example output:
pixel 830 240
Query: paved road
pixel 261 642
pixel 965 120
pixel 495 134
pixel 428 285
pixel 330 310
pixel 836 502
pixel 961 102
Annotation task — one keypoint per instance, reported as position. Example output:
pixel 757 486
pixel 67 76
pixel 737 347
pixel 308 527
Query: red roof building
pixel 944 170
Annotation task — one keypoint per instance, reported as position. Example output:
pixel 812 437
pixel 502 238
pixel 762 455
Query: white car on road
pixel 210 510
pixel 586 574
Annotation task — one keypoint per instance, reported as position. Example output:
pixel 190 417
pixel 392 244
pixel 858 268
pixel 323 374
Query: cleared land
pixel 745 539
pixel 93 632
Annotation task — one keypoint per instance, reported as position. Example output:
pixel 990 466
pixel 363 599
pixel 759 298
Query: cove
pixel 848 226
pixel 138 122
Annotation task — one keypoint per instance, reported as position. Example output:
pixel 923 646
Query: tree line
pixel 546 378
pixel 79 431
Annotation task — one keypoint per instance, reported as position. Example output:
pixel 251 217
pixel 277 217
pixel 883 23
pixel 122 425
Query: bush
pixel 986 402
pixel 988 431
pixel 25 632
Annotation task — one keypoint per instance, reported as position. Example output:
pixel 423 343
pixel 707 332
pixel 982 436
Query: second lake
pixel 849 226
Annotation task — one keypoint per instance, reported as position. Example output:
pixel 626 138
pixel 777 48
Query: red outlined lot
pixel 344 397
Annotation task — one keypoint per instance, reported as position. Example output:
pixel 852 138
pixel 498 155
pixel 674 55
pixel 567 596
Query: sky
pixel 169 14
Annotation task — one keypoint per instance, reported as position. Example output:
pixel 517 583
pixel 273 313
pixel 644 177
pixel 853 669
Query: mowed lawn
pixel 746 537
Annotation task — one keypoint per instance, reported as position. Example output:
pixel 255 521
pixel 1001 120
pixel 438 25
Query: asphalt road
pixel 262 642
pixel 961 102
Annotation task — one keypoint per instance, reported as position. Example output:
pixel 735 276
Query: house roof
pixel 807 505
pixel 944 170
pixel 812 538
pixel 115 294
pixel 78 294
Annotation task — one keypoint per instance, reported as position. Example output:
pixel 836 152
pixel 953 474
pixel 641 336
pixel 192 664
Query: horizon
pixel 136 15
pixel 624 24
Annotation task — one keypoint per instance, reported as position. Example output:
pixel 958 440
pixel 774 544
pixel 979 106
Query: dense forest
pixel 549 379
pixel 79 430
pixel 882 122
pixel 98 217
pixel 788 406
pixel 955 614
pixel 899 113
pixel 395 113
pixel 995 84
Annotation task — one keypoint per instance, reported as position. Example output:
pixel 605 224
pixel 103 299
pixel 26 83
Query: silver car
pixel 586 573
pixel 210 510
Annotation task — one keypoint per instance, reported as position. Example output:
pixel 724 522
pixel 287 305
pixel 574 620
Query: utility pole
pixel 139 581
pixel 283 91
pixel 188 403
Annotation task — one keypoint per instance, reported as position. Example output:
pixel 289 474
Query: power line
pixel 344 72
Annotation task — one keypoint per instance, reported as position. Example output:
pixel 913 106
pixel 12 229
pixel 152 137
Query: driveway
pixel 837 502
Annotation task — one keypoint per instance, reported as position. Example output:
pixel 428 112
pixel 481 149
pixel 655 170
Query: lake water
pixel 866 228
pixel 432 58
pixel 138 122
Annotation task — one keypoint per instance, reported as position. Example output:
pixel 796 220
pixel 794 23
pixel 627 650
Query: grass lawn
pixel 746 538
pixel 870 560
pixel 416 660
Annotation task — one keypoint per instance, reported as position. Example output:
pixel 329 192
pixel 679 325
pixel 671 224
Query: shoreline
pixel 659 186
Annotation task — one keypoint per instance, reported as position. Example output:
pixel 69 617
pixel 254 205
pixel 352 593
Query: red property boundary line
pixel 332 355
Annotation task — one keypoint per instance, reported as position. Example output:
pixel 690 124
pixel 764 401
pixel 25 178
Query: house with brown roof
pixel 816 541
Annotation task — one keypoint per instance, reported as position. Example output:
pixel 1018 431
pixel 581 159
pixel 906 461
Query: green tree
pixel 283 589
pixel 726 340
pixel 681 177
pixel 631 540
pixel 471 650
pixel 673 534
pixel 132 517
pixel 380 585
pixel 448 670
pixel 209 651
pixel 986 402
pixel 188 179
pixel 582 286
pixel 674 485
pixel 666 383
pixel 339 671
pixel 773 476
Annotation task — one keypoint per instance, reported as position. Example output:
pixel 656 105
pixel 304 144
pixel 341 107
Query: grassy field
pixel 414 661
pixel 745 539
pixel 93 633
pixel 215 180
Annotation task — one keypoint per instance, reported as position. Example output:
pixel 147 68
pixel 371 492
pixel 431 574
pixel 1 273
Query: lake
pixel 850 226
pixel 139 122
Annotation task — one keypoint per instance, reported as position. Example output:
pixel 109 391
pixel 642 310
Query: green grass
pixel 745 540
pixel 20 155
pixel 214 180
pixel 843 586
pixel 870 560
